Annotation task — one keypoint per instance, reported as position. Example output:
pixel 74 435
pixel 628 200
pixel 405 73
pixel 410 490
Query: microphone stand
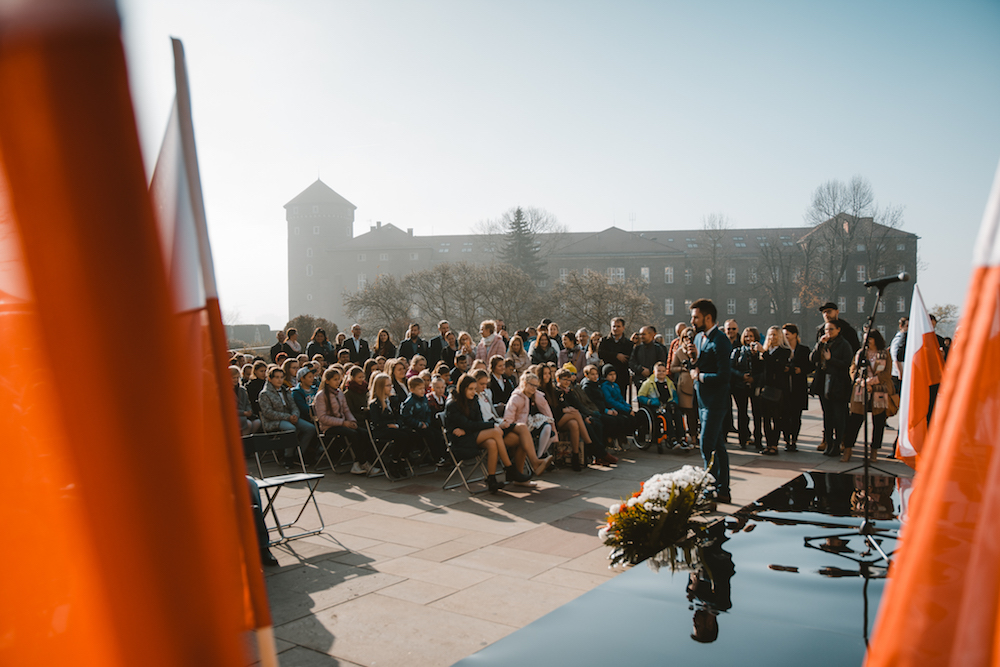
pixel 867 527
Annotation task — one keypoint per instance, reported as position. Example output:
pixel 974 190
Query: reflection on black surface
pixel 708 586
pixel 805 593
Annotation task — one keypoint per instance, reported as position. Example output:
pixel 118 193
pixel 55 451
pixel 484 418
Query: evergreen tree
pixel 520 249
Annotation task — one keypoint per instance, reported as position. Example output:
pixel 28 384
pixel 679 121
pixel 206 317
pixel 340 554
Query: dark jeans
pixel 743 401
pixel 793 424
pixel 258 516
pixel 854 423
pixel 691 417
pixel 713 441
pixel 597 447
pixel 360 444
pixel 773 417
pixel 434 439
pixel 834 422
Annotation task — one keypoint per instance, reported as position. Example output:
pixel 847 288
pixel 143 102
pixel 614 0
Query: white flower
pixel 603 533
pixel 614 509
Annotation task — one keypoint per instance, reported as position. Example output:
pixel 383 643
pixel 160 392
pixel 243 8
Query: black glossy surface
pixel 764 616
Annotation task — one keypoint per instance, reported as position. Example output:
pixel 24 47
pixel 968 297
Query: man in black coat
pixel 831 313
pixel 645 355
pixel 437 344
pixel 413 345
pixel 616 349
pixel 278 347
pixel 357 346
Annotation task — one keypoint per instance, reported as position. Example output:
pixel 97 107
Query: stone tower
pixel 318 221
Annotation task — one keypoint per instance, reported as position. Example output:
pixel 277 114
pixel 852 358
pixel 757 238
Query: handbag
pixel 892 405
pixel 770 394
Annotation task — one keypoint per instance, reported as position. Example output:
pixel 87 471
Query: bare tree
pixel 777 272
pixel 435 290
pixel 509 294
pixel 847 220
pixel 714 232
pixel 307 324
pixel 385 303
pixel 590 300
pixel 947 318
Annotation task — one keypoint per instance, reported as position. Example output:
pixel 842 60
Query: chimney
pixel 378 223
pixel 373 228
pixel 409 230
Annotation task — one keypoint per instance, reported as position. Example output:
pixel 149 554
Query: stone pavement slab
pixel 406 573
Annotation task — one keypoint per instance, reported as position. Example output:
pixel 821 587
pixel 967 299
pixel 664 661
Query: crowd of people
pixel 513 394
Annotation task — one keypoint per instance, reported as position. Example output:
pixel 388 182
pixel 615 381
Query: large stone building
pixel 753 275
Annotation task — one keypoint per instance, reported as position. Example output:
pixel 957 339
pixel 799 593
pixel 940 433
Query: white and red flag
pixel 921 376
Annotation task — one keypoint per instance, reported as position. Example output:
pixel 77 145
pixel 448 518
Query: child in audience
pixel 420 418
pixel 658 396
pixel 461 366
pixel 244 410
pixel 385 420
pixel 437 396
pixel 334 417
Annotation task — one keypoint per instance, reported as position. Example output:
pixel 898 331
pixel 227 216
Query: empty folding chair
pixel 263 443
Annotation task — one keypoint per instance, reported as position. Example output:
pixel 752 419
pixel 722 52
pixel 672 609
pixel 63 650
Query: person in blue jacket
pixel 418 416
pixel 615 400
pixel 711 375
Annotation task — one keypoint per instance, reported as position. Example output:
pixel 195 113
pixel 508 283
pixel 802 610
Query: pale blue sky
pixel 436 114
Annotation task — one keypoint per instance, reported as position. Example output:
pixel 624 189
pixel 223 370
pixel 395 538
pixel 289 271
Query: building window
pixel 796 305
pixel 843 276
pixel 362 257
pixel 616 274
pixel 881 330
pixel 786 240
pixel 688 276
pixel 309 297
pixel 861 247
pixel 467 247
pixel 316 230
pixel 708 276
pixel 753 306
pixel 861 304
pixel 309 252
pixel 383 257
pixel 881 305
pixel 644 274
pixel 901 304
pixel 900 246
pixel 731 275
pixel 687 305
pixel 668 275
pixel 362 281
pixel 739 242
pixel 309 269
pixel 563 275
pixel 862 273
pixel 315 209
pixel 842 304
pixel 414 256
pixel 296 231
pixel 753 275
pixel 544 282
pixel 692 243
pixel 731 307
pixel 668 306
pixel 772 306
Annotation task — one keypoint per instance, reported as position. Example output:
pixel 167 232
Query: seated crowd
pixel 513 396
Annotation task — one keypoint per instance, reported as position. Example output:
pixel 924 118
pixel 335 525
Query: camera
pixel 687 365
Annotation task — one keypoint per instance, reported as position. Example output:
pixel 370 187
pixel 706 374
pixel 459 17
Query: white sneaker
pixel 356 469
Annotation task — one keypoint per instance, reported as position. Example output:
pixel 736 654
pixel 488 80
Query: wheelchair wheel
pixel 644 430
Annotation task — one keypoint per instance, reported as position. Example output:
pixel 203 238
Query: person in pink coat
pixel 491 343
pixel 518 411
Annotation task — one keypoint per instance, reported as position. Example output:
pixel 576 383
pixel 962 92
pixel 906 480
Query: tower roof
pixel 319 193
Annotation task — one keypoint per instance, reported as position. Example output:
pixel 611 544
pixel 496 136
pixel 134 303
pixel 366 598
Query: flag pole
pixel 253 573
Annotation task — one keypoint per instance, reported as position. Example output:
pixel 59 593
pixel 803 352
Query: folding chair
pixel 326 442
pixel 262 443
pixel 477 465
pixel 382 459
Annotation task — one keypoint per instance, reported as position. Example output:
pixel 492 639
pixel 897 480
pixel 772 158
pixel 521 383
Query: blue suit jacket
pixel 714 351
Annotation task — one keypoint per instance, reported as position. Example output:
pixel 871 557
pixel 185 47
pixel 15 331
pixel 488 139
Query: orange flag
pixel 942 601
pixel 127 547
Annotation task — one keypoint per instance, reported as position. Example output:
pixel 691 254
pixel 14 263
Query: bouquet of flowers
pixel 656 520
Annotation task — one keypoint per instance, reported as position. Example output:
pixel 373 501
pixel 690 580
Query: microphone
pixel 888 280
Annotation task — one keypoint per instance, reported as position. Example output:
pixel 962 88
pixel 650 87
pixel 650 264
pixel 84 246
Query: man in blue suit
pixel 711 378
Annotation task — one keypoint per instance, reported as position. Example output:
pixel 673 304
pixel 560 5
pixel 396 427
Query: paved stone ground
pixel 408 574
